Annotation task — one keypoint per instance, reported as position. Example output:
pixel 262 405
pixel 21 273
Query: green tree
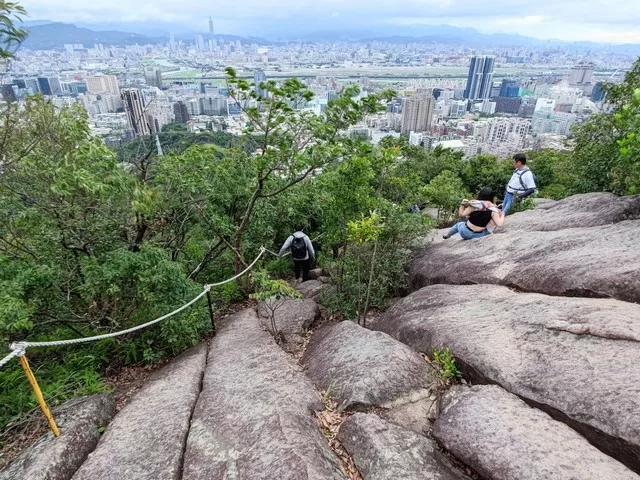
pixel 555 174
pixel 272 295
pixel 603 160
pixel 487 171
pixel 628 121
pixel 294 142
pixel 73 229
pixel 75 259
pixel 445 192
pixel 11 35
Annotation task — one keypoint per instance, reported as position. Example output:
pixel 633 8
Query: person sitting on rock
pixel 521 185
pixel 483 215
pixel 302 252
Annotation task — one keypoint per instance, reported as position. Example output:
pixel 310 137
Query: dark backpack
pixel 298 248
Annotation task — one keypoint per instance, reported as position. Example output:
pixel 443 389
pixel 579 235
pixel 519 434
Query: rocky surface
pixel 360 368
pixel 293 319
pixel 255 416
pixel 502 438
pixel 578 211
pixel 314 289
pixel 601 261
pixel 383 451
pixel 576 358
pixel 416 416
pixel 79 421
pixel 544 203
pixel 316 273
pixel 146 439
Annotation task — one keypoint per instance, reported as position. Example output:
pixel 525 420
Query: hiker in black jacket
pixel 302 252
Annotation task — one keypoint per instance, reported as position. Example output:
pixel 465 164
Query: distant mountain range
pixel 54 35
pixel 46 35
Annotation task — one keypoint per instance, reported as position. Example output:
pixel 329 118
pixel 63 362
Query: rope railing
pixel 8 358
pixel 18 349
pixel 58 343
pixel 22 346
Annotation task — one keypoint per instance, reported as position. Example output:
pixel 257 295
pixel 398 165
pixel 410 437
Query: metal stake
pixel 36 389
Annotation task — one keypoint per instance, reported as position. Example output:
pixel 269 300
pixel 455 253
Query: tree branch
pixel 206 259
pixel 290 184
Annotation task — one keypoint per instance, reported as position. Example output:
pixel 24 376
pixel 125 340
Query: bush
pixel 61 375
pixel 523 204
pixel 554 191
pixel 394 249
pixel 445 192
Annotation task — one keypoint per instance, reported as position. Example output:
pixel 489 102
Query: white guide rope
pixel 18 348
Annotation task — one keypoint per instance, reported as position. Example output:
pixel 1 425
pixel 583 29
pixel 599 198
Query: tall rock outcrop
pixel 581 246
pixel 255 416
pixel 575 358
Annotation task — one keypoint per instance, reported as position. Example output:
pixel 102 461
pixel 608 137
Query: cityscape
pixel 497 100
pixel 319 240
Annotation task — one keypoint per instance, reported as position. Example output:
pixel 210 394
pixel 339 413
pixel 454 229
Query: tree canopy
pixel 11 34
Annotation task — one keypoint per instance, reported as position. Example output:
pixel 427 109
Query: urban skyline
pixel 490 99
pixel 615 21
pixel 480 78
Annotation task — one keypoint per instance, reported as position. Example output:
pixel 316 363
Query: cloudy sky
pixel 615 21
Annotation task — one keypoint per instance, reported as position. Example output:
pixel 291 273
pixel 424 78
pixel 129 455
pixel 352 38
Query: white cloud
pixel 600 20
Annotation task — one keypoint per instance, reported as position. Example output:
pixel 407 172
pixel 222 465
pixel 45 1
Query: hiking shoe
pixel 445 236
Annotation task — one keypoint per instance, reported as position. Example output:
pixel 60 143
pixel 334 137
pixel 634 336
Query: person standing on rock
pixel 483 215
pixel 302 252
pixel 521 185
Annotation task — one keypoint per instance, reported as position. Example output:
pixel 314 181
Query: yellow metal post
pixel 36 389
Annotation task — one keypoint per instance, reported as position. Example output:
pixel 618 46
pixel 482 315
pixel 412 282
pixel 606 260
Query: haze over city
pixel 615 21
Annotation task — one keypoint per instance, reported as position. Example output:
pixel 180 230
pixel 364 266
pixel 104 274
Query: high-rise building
pixel 526 110
pixel 213 105
pixel 153 77
pixel 55 85
pixel 417 113
pixel 486 106
pixel 210 26
pixel 581 75
pixel 495 89
pixel 500 129
pixel 180 112
pixel 8 93
pixel 134 107
pixel 44 86
pixel 555 122
pixel 259 77
pixel 545 105
pixel 103 84
pixel 507 104
pixel 49 85
pixel 597 95
pixel 458 108
pixel 200 43
pixel 33 84
pixel 509 88
pixel 480 78
pixel 78 87
pixel 194 107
